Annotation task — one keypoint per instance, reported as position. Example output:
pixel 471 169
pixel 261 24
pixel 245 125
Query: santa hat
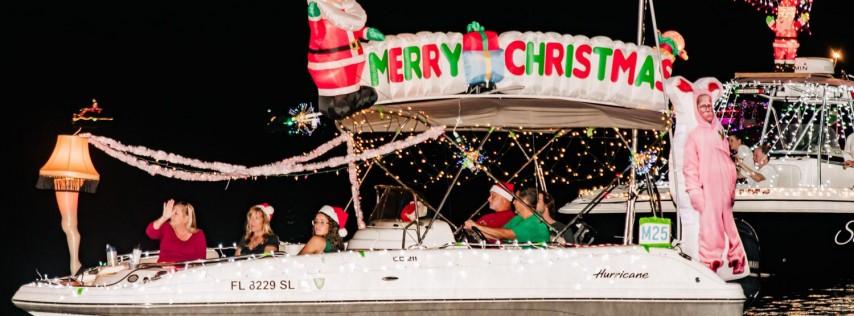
pixel 505 190
pixel 338 215
pixel 347 14
pixel 267 209
pixel 412 211
pixel 672 44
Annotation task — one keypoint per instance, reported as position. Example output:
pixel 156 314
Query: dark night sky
pixel 197 79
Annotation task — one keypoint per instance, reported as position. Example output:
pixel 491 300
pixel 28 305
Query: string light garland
pixel 218 171
pixel 803 118
pixel 770 7
pixel 575 158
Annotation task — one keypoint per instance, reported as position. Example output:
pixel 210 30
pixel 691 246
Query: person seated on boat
pixel 546 208
pixel 742 156
pixel 328 227
pixel 259 237
pixel 524 227
pixel 848 154
pixel 763 175
pixel 180 239
pixel 501 201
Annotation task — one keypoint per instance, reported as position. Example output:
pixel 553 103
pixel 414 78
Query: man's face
pixel 786 14
pixel 498 203
pixel 759 157
pixel 704 107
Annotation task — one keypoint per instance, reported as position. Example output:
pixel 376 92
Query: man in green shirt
pixel 524 227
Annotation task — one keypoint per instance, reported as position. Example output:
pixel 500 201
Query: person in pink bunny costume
pixel 705 190
pixel 689 219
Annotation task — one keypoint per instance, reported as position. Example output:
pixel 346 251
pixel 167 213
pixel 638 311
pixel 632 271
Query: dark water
pixel 831 300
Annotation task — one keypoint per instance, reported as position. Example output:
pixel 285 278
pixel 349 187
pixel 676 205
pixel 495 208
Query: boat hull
pixel 609 280
pixel 434 307
pixel 797 230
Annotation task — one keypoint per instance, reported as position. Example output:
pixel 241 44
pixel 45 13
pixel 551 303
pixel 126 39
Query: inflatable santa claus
pixel 786 29
pixel 336 58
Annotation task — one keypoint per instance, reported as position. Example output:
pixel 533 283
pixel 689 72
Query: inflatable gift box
pixel 483 59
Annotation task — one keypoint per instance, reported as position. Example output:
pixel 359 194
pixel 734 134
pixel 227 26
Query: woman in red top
pixel 180 240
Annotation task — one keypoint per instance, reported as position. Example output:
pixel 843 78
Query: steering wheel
pixel 477 235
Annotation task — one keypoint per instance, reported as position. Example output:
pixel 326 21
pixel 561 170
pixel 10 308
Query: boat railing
pixel 594 202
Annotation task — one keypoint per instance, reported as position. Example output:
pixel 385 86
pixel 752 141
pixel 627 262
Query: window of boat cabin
pixel 390 201
pixel 794 126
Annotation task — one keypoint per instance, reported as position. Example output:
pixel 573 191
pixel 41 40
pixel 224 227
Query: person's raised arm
pixel 153 230
pixel 167 214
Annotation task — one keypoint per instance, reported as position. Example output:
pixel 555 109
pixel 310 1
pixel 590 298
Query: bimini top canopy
pixel 792 77
pixel 481 112
pixel 801 88
pixel 528 80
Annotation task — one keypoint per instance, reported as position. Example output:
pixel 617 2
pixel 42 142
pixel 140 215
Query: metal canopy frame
pixel 413 121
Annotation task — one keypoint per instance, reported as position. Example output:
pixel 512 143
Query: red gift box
pixel 473 41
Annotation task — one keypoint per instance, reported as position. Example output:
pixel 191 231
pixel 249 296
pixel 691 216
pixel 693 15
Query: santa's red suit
pixel 336 58
pixel 786 28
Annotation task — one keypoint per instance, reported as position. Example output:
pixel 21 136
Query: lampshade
pixel 69 167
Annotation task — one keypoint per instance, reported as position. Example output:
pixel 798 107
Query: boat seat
pixel 289 248
pixel 211 253
pixel 788 176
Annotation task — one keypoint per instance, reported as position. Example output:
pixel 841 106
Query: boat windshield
pixel 790 118
pixel 390 201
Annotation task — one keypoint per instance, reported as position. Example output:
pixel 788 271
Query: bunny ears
pixel 683 95
pixel 678 85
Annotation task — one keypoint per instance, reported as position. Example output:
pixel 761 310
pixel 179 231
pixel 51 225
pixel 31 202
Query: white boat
pixel 811 201
pixel 415 268
pixel 608 280
pixel 385 272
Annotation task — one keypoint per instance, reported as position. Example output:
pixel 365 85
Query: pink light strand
pixel 354 184
pixel 222 171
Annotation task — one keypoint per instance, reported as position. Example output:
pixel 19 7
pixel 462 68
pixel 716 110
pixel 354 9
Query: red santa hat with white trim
pixel 504 190
pixel 337 214
pixel 267 209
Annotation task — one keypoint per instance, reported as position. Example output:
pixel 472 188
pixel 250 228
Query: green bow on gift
pixel 474 26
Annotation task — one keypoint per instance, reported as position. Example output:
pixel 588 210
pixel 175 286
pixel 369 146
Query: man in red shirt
pixel 500 201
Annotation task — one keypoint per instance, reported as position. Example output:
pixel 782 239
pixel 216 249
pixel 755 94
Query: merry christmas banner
pixel 432 65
